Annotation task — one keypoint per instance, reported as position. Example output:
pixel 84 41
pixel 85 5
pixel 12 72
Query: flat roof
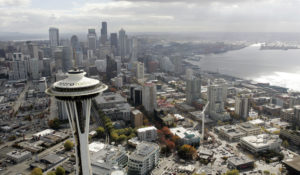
pixel 261 140
pixel 146 129
pixel 293 163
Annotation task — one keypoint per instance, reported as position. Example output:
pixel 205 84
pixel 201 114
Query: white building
pixel 18 156
pixel 45 132
pixel 186 136
pixel 139 70
pixel 144 159
pixel 149 97
pixel 42 84
pixel 147 133
pixel 101 65
pixel 54 36
pixel 106 159
pixel 217 95
pixel 261 143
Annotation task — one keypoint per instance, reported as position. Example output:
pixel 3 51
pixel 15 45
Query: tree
pixel 266 172
pixel 54 124
pixel 186 152
pixel 68 145
pixel 232 172
pixel 51 173
pixel 36 171
pixel 285 143
pixel 100 132
pixel 60 171
pixel 170 145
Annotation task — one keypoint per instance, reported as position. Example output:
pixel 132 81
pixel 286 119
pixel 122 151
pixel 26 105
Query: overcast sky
pixel 76 16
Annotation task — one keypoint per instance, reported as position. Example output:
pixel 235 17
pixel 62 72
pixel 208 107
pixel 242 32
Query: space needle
pixel 76 93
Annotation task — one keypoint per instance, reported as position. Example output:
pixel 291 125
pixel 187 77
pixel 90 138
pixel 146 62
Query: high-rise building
pixel 139 70
pixel 122 43
pixel 149 97
pixel 193 90
pixel 92 39
pixel 47 68
pixel 297 114
pixel 33 50
pixel 54 36
pixel 217 95
pixel 76 92
pixel 66 58
pixel 242 106
pixel 34 69
pixel 144 159
pixel 111 68
pixel 136 95
pixel 114 43
pixel 103 37
pixel 18 70
pixel 58 56
pixel 75 43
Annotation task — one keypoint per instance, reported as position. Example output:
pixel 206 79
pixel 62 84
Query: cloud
pixel 155 16
pixel 14 3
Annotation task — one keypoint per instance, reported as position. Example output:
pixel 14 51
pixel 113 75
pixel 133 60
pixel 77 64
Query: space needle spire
pixel 76 93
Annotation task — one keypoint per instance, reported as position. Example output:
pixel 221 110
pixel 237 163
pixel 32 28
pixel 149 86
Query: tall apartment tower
pixel 92 39
pixel 242 106
pixel 54 36
pixel 122 43
pixel 193 89
pixel 217 95
pixel 103 37
pixel 149 97
pixel 76 93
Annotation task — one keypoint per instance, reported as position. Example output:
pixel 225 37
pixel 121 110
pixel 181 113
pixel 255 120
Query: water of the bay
pixel 277 67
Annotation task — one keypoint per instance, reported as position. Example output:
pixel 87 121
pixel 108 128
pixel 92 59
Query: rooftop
pixel 184 133
pixel 261 140
pixel 146 129
pixel 143 150
pixel 294 163
pixel 239 160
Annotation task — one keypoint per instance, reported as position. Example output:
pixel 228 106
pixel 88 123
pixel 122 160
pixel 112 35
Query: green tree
pixel 68 145
pixel 51 173
pixel 285 143
pixel 232 172
pixel 100 132
pixel 60 171
pixel 266 172
pixel 36 171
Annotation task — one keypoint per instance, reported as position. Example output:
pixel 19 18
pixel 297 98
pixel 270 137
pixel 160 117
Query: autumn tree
pixel 232 172
pixel 54 124
pixel 186 152
pixel 285 143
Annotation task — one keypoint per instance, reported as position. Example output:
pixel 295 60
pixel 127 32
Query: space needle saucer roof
pixel 75 85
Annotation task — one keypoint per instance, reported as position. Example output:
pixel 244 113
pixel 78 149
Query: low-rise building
pixel 186 136
pixel 249 128
pixel 230 132
pixel 292 165
pixel 147 133
pixel 240 163
pixel 287 115
pixel 18 156
pixel 261 143
pixel 144 159
pixel 106 159
pixel 290 135
pixel 272 109
pixel 43 133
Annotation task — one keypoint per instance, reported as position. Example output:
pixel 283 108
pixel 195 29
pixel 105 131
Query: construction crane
pixel 203 118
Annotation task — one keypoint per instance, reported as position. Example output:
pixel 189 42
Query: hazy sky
pixel 74 16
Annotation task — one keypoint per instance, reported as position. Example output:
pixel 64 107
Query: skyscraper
pixel 193 90
pixel 54 36
pixel 111 68
pixel 242 107
pixel 217 95
pixel 122 43
pixel 76 92
pixel 149 97
pixel 92 39
pixel 103 37
pixel 114 43
pixel 75 43
pixel 34 69
pixel 67 58
pixel 139 70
